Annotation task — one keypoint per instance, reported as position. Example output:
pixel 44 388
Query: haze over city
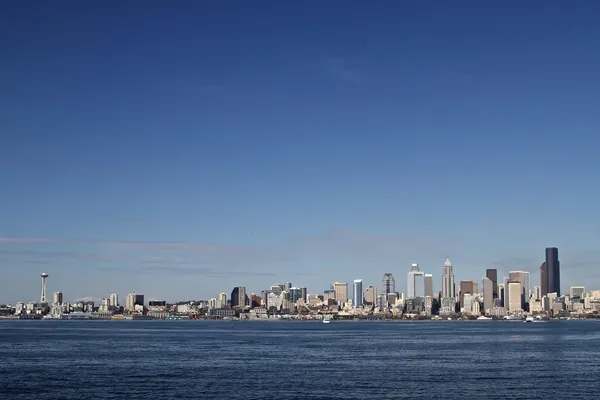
pixel 186 150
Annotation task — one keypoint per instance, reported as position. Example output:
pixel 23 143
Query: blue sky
pixel 181 150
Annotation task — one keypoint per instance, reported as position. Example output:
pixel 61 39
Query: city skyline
pixel 414 287
pixel 182 152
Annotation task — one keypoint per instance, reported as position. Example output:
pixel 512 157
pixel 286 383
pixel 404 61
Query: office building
pixel 448 289
pixel 492 274
pixel 415 285
pixel 239 298
pixel 371 295
pixel 388 284
pixel 134 299
pixel 537 293
pixel 523 278
pixel 544 279
pixel 429 285
pixel 466 287
pixel 114 300
pixel 515 291
pixel 223 299
pixel 488 292
pixel 341 292
pixel 357 296
pixel 552 271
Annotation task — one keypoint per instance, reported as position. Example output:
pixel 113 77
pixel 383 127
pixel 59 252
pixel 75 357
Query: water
pixel 304 360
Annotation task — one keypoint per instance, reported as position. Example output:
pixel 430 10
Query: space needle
pixel 44 277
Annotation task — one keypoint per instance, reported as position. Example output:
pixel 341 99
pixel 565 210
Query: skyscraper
pixel 239 297
pixel 488 292
pixel 357 297
pixel 448 290
pixel 223 299
pixel 415 285
pixel 134 299
pixel 58 299
pixel 544 279
pixel 371 295
pixel 492 274
pixel 388 284
pixel 341 292
pixel 514 289
pixel 466 287
pixel 523 278
pixel 553 271
pixel 114 300
pixel 428 285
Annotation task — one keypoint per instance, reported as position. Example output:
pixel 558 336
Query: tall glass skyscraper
pixel 492 275
pixel 448 290
pixel 552 271
pixel 388 284
pixel 357 297
pixel 415 285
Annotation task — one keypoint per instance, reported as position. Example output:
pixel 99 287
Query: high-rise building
pixel 341 292
pixel 544 279
pixel 448 289
pixel 239 298
pixel 415 285
pixel 492 274
pixel 501 294
pixel 515 290
pixel 371 295
pixel 466 287
pixel 287 286
pixel 488 292
pixel 43 296
pixel 294 294
pixel 277 289
pixel 114 300
pixel 523 278
pixel 506 293
pixel 428 285
pixel 388 284
pixel 303 293
pixel 57 298
pixel 553 271
pixel 223 299
pixel 134 299
pixel 357 297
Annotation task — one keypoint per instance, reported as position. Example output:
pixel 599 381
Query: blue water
pixel 298 360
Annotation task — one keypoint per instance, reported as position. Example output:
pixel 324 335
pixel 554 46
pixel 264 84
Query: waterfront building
pixel 357 296
pixel 388 284
pixel 552 271
pixel 492 274
pixel 448 289
pixel 341 292
pixel 415 285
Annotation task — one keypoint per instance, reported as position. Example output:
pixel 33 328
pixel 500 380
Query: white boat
pixel 484 318
pixel 327 319
pixel 529 319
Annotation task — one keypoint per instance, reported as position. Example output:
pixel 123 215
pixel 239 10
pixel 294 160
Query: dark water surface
pixel 298 360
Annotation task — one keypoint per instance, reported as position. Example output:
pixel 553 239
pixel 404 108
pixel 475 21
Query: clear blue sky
pixel 182 149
